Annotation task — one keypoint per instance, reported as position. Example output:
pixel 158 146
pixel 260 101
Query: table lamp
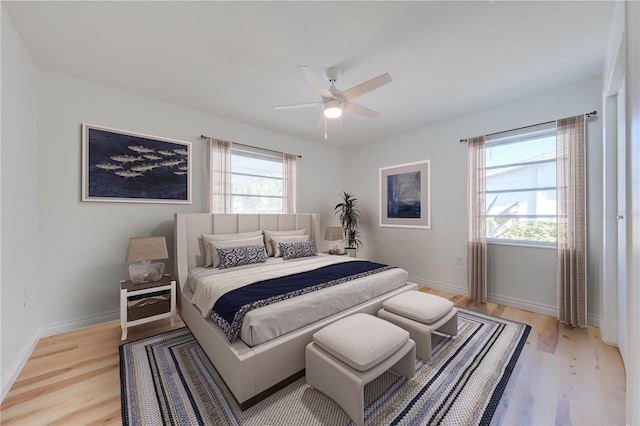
pixel 144 250
pixel 333 233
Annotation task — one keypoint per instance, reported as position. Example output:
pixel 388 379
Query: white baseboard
pixel 64 326
pixel 18 365
pixel 594 320
pixel 462 291
pixel 46 331
pixel 526 305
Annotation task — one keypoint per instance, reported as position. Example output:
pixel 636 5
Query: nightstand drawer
pixel 143 303
pixel 148 305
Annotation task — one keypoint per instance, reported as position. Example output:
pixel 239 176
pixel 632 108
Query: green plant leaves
pixel 349 216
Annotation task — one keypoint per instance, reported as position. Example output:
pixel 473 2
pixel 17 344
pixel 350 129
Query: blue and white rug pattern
pixel 168 379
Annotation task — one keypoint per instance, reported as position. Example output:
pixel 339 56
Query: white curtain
pixel 289 194
pixel 571 207
pixel 476 217
pixel 219 176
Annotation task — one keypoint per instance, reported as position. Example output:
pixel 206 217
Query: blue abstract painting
pixel 403 196
pixel 121 166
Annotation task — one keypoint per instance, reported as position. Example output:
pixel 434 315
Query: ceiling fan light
pixel 332 108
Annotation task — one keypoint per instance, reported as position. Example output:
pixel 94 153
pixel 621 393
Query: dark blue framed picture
pixel 405 196
pixel 121 166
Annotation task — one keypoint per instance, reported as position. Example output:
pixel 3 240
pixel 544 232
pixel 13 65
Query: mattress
pixel 268 322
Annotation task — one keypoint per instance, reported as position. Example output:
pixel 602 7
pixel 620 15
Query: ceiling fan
pixel 335 102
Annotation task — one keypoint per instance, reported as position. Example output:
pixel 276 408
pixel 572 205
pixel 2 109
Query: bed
pixel 255 365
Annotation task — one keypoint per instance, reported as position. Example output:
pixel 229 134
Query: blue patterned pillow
pixel 299 249
pixel 238 256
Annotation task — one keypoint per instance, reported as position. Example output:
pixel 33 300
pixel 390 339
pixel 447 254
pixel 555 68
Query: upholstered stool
pixel 421 314
pixel 351 352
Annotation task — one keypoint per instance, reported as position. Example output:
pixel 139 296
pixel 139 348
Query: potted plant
pixel 349 215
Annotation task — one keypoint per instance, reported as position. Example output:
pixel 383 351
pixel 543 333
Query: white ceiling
pixel 238 59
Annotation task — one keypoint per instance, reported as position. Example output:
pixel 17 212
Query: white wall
pixel 518 276
pixel 19 216
pixel 83 243
pixel 68 254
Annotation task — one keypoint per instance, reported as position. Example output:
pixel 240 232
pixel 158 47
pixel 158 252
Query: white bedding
pixel 263 324
pixel 210 287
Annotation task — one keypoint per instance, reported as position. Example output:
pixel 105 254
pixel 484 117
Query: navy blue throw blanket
pixel 230 309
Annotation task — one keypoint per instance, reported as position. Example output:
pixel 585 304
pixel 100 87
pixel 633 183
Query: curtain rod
pixel 587 115
pixel 208 138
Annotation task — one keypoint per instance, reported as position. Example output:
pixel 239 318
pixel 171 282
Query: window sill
pixel 520 244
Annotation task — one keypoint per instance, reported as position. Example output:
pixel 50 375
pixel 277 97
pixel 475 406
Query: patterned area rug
pixel 168 379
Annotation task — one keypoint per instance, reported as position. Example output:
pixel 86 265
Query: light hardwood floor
pixel 564 376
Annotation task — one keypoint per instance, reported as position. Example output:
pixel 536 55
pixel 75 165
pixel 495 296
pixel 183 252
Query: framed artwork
pixel 405 195
pixel 120 166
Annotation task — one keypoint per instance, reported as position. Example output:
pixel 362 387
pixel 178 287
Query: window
pixel 257 180
pixel 521 186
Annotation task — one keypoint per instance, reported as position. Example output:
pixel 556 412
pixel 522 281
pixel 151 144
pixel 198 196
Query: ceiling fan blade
pixel 360 110
pixel 293 106
pixel 316 82
pixel 366 87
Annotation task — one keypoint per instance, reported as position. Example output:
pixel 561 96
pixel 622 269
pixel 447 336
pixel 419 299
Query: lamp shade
pixel 333 233
pixel 141 249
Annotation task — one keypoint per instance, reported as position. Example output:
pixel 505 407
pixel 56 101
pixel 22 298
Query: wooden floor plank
pixel 611 379
pixel 564 376
pixel 74 378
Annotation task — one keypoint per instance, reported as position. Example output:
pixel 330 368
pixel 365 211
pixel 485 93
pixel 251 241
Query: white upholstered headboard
pixel 188 228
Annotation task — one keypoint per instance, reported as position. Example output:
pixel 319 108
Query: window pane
pixel 518 152
pixel 255 185
pixel 522 229
pixel 257 181
pixel 520 184
pixel 241 204
pixel 539 175
pixel 256 166
pixel 520 203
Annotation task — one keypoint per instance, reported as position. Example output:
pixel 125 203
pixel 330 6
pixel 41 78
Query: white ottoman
pixel 420 314
pixel 351 352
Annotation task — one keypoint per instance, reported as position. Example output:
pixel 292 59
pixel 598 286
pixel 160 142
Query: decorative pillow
pixel 206 239
pixel 296 250
pixel 246 242
pixel 268 235
pixel 238 256
pixel 275 241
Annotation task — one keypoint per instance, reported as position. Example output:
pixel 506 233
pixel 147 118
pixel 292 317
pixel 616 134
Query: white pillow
pixel 275 241
pixel 269 234
pixel 206 239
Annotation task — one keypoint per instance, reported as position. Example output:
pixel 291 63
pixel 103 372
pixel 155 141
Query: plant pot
pixel 351 251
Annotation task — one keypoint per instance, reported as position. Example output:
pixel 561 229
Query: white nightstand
pixel 143 303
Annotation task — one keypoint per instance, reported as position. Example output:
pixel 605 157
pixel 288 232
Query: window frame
pixel 238 150
pixel 530 134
